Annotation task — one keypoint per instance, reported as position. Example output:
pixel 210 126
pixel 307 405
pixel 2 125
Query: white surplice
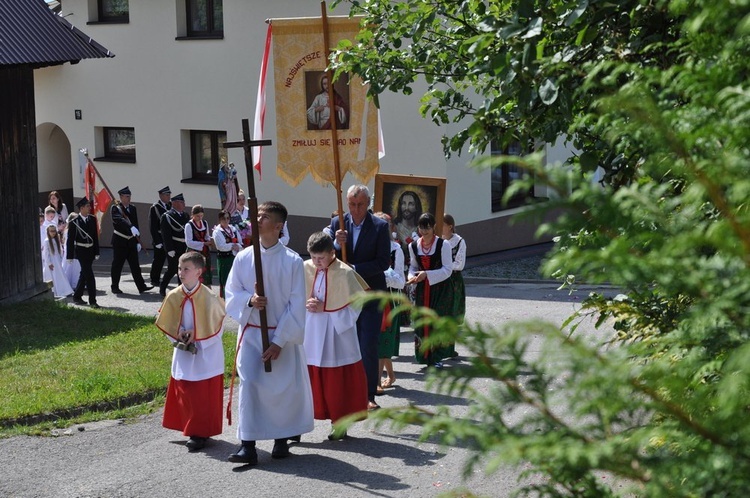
pixel 208 362
pixel 276 404
pixel 331 336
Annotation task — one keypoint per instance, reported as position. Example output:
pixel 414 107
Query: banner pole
pixel 332 119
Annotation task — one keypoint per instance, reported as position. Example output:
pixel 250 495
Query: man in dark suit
pixel 126 243
pixel 368 250
pixel 83 245
pixel 157 210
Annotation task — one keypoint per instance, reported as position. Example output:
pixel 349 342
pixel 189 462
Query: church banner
pixel 303 112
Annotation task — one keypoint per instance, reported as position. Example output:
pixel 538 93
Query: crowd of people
pixel 323 358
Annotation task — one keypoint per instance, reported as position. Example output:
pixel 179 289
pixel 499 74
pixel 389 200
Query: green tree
pixel 655 93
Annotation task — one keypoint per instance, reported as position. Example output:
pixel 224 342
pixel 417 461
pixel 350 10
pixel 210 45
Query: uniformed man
pixel 83 245
pixel 157 210
pixel 126 242
pixel 173 237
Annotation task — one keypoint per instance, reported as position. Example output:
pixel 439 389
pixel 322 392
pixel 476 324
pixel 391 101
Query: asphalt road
pixel 140 458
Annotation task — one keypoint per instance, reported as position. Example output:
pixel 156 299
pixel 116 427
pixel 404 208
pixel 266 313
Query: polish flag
pixel 260 103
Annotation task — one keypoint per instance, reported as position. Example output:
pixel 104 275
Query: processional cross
pixel 247 144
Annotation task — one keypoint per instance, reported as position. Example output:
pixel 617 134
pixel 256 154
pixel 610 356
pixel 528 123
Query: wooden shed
pixel 31 36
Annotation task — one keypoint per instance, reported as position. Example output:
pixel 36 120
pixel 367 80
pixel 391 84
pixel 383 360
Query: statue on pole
pixel 228 187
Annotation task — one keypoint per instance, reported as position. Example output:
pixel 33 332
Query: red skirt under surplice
pixel 195 407
pixel 338 391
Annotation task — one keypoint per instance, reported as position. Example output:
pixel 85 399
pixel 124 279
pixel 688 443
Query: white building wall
pixel 162 86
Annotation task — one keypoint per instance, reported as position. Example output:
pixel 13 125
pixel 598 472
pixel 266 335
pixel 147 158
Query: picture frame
pixel 406 197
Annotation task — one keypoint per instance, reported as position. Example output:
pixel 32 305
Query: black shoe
pixel 162 292
pixel 155 283
pixel 280 448
pixel 146 289
pixel 296 438
pixel 196 443
pixel 78 300
pixel 246 454
pixel 94 305
pixel 116 290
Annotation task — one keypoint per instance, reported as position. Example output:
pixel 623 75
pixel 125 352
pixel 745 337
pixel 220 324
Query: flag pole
pixel 89 161
pixel 332 119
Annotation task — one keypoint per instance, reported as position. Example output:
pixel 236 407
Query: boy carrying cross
pixel 278 404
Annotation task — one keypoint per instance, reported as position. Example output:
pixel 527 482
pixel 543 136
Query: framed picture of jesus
pixel 406 197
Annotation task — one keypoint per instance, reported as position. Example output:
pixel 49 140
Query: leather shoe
pixel 196 443
pixel 146 289
pixel 162 293
pixel 78 300
pixel 94 305
pixel 116 290
pixel 246 454
pixel 280 449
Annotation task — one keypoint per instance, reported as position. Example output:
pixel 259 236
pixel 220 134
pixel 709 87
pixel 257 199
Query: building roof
pixel 32 34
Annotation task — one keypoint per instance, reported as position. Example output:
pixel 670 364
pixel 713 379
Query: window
pixel 503 175
pixel 114 11
pixel 119 144
pixel 206 153
pixel 205 18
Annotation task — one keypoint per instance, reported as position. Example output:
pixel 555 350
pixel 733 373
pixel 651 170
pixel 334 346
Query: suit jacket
pixel 372 255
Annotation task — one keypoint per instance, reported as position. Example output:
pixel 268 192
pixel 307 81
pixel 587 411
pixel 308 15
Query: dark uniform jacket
pixel 173 231
pixel 83 239
pixel 122 220
pixel 154 221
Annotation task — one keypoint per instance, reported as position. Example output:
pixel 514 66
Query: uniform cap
pixel 124 191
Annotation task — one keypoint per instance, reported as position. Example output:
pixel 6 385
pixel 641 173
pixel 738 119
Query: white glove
pixel 171 254
pixel 135 232
pixel 70 261
pixel 159 246
pixel 139 247
pixel 96 257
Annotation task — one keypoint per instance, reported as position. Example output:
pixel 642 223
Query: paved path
pixel 140 458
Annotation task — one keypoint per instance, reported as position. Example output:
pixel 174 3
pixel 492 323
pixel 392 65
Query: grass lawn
pixel 61 364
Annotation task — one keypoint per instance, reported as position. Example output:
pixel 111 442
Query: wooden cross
pixel 252 203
